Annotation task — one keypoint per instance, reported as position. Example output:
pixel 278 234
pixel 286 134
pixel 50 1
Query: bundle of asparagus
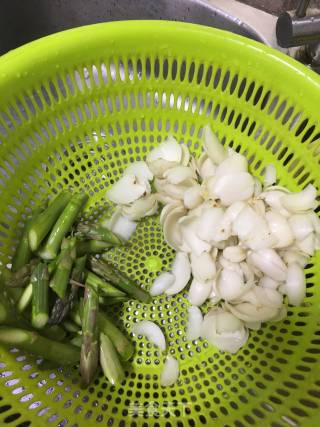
pixel 61 292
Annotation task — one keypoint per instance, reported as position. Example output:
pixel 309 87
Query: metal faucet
pixel 301 30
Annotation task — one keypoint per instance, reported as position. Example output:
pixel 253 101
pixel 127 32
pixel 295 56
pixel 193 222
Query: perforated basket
pixel 75 109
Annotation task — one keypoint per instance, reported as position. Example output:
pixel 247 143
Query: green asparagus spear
pixel 62 306
pixel 90 332
pixel 55 351
pixel 110 273
pixel 40 287
pixel 112 300
pixel 21 277
pixel 92 247
pixel 3 313
pixel 121 343
pixel 109 361
pixel 41 227
pixel 63 225
pixel 54 332
pixel 106 288
pixel 25 298
pixel 23 252
pixel 60 279
pixel 97 232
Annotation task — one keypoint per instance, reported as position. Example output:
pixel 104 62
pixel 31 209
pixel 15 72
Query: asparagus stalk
pixel 92 247
pixel 70 326
pixel 23 252
pixel 121 343
pixel 63 225
pixel 108 272
pixel 77 340
pixel 25 298
pixel 41 227
pixel 40 287
pixel 109 360
pixel 60 279
pixel 20 278
pixel 3 312
pixel 55 332
pixel 55 351
pixel 106 288
pixel 62 306
pixel 112 300
pixel 97 232
pixel 90 332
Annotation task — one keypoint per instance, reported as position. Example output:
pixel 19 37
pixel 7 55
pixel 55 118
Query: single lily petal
pixel 185 155
pixel 189 227
pixel 224 330
pixel 152 332
pixel 192 197
pixel 301 225
pixel 181 269
pixel 208 224
pixel 273 199
pixel 269 263
pixel 269 176
pixel 213 146
pixel 252 230
pixel 302 201
pixel 171 227
pixel 145 206
pixel 293 255
pixel 162 283
pixel 126 190
pixel 203 267
pixel 170 372
pixel 120 225
pixel 199 292
pixel 231 188
pixel 235 253
pixel 159 167
pixel 257 187
pixel 267 282
pixel 178 174
pixel 139 169
pixel 248 312
pixel 207 169
pixel 307 245
pixel 230 285
pixel 195 319
pixel 280 229
pixel 295 286
pixel 169 150
pixel 233 164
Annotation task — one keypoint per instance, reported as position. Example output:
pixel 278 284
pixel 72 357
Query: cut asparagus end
pixel 46 254
pixel 40 320
pixel 109 361
pixel 33 240
pixel 12 336
pixel 25 298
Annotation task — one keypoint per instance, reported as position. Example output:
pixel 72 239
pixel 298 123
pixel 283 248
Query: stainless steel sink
pixel 23 21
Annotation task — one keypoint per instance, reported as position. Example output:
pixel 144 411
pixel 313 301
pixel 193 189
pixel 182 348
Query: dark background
pixel 24 20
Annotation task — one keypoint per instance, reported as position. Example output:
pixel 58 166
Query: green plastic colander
pixel 75 109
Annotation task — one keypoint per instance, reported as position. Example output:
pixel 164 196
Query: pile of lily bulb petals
pixel 240 242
